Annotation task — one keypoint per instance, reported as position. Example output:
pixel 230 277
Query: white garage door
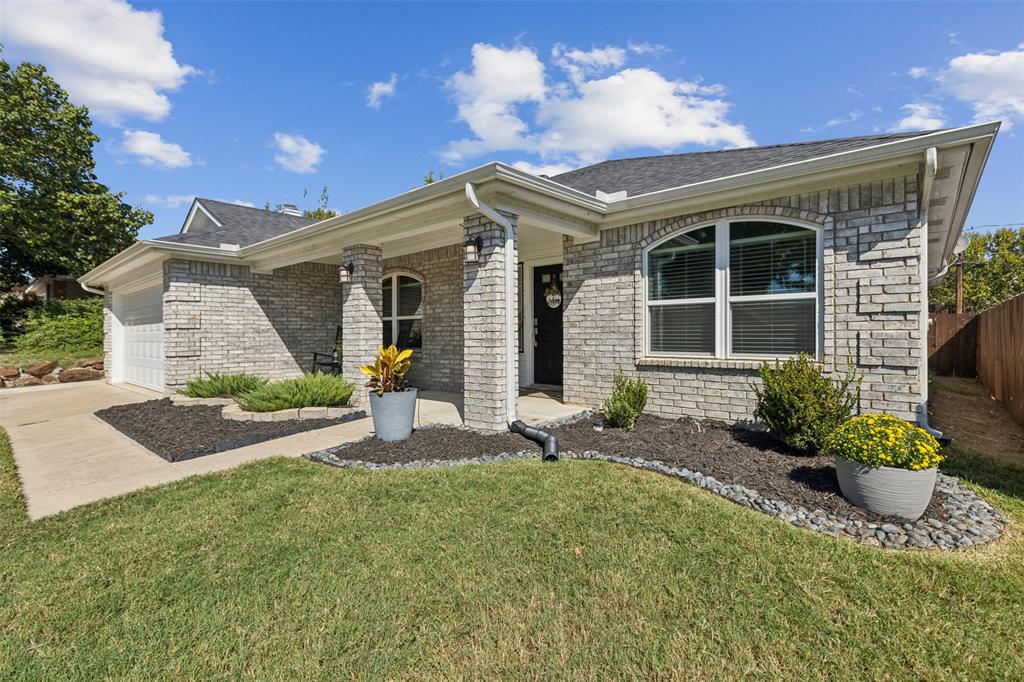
pixel 142 315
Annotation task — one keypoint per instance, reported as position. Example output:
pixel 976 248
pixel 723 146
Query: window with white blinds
pixel 747 288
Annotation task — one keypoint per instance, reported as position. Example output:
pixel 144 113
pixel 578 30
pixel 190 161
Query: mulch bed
pixel 731 455
pixel 180 432
pixel 437 443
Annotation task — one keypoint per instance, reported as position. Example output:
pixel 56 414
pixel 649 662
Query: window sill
pixel 698 363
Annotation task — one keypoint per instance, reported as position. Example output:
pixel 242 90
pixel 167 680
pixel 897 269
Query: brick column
pixel 485 389
pixel 361 315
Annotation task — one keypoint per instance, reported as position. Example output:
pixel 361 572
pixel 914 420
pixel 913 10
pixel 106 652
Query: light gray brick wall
pixel 224 318
pixel 872 306
pixel 438 364
pixel 484 328
pixel 361 302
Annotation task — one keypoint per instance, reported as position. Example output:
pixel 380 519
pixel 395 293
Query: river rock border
pixel 232 411
pixel 973 520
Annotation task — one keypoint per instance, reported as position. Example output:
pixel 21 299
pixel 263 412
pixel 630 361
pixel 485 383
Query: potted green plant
pixel 392 403
pixel 885 464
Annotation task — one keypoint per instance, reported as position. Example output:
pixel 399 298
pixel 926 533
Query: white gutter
pixel 931 165
pixel 511 376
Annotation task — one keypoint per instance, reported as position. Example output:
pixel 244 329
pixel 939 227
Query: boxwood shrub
pixel 800 405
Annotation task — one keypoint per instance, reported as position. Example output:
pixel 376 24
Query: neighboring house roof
pixel 645 174
pixel 242 225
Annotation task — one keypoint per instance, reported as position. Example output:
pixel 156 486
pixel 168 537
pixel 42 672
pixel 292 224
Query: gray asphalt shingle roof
pixel 652 173
pixel 240 225
pixel 244 226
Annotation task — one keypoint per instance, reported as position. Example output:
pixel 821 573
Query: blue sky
pixel 258 102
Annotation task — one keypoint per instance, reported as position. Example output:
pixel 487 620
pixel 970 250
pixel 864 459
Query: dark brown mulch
pixel 181 432
pixel 731 455
pixel 435 443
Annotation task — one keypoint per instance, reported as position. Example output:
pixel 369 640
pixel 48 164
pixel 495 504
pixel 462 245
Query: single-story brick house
pixel 683 269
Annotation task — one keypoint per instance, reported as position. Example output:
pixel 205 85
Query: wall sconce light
pixel 345 273
pixel 473 247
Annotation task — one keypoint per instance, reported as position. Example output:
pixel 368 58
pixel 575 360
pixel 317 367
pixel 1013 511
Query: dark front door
pixel 547 323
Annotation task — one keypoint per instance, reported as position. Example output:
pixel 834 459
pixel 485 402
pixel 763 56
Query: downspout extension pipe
pixel 547 440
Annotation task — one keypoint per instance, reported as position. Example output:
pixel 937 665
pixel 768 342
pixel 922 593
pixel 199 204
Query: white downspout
pixel 88 288
pixel 512 382
pixel 931 164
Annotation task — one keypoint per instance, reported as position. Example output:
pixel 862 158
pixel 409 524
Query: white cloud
pixel 992 83
pixel 297 154
pixel 151 150
pixel 954 38
pixel 587 117
pixel 108 55
pixel 169 201
pixel 654 49
pixel 548 169
pixel 239 202
pixel 920 116
pixel 917 72
pixel 851 117
pixel 379 90
pixel 487 99
pixel 580 64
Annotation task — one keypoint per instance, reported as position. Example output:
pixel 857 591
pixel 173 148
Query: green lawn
pixel 286 569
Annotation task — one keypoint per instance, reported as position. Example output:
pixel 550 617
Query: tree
pixel 993 271
pixel 55 218
pixel 321 212
pixel 428 177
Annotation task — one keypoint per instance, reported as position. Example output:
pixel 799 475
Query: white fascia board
pixel 424 198
pixel 126 260
pixel 197 206
pixel 968 188
pixel 857 159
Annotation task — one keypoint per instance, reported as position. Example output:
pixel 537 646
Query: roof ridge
pixel 767 146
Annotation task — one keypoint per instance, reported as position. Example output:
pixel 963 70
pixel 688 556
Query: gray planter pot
pixel 393 414
pixel 886 491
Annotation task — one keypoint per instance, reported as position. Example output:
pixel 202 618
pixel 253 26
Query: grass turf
pixel 285 569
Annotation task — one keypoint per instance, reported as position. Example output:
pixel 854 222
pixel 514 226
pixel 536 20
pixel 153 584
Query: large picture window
pixel 402 312
pixel 745 288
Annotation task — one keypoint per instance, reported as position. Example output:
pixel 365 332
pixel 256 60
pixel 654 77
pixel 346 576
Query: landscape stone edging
pixel 231 410
pixel 974 521
pixel 47 373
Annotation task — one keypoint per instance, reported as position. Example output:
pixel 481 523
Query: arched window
pixel 740 288
pixel 402 312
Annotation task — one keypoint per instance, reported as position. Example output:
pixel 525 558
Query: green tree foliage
pixel 321 212
pixel 55 218
pixel 64 327
pixel 993 271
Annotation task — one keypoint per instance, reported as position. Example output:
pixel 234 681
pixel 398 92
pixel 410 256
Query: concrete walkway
pixel 66 456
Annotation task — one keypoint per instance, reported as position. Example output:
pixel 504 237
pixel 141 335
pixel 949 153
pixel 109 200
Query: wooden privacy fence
pixel 989 345
pixel 1001 354
pixel 953 344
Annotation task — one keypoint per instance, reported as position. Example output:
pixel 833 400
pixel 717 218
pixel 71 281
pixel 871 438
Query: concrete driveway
pixel 66 456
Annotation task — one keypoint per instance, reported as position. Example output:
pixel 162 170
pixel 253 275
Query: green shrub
pixel 312 390
pixel 626 403
pixel 63 327
pixel 884 440
pixel 800 405
pixel 217 385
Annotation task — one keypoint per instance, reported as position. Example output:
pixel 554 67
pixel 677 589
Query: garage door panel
pixel 142 317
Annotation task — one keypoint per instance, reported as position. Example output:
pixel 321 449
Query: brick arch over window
pixel 753 211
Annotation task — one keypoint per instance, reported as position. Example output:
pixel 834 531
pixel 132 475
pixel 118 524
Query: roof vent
pixel 290 209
